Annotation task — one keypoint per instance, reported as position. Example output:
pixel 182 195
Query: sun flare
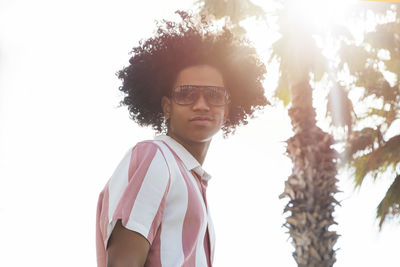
pixel 319 13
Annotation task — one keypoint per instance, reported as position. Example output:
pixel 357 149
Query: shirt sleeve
pixel 136 192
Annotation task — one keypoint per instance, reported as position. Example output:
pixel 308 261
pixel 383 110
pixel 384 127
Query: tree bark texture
pixel 311 186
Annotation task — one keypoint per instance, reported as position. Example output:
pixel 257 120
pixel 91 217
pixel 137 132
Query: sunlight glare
pixel 320 14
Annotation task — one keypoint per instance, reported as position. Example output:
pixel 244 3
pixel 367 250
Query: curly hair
pixel 157 61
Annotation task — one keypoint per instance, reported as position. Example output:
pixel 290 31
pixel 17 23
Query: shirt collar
pixel 188 160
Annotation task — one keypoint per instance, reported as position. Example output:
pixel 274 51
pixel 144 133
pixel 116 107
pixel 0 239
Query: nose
pixel 201 103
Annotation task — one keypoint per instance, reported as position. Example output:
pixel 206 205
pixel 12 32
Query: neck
pixel 197 149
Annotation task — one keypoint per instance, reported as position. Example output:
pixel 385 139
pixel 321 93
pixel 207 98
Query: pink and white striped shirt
pixel 159 191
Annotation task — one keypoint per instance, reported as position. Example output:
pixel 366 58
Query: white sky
pixel 61 137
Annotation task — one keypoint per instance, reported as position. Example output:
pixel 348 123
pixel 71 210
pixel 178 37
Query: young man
pixel 189 81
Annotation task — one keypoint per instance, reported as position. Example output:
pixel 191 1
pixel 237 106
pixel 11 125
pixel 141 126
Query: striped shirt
pixel 159 191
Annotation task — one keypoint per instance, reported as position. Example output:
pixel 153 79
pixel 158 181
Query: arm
pixel 126 248
pixel 143 170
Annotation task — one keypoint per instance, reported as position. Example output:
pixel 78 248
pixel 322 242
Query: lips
pixel 202 121
pixel 201 118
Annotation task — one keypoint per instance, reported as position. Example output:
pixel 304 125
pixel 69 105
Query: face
pixel 200 121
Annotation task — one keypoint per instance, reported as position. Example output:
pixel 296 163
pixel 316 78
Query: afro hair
pixel 157 61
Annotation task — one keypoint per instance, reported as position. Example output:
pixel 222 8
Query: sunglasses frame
pixel 202 88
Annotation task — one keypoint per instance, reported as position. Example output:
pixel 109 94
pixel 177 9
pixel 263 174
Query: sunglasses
pixel 188 94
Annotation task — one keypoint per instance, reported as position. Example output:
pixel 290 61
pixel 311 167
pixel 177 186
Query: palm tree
pixel 368 150
pixel 312 185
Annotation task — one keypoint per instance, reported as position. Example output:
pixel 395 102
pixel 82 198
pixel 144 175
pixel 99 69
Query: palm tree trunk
pixel 311 186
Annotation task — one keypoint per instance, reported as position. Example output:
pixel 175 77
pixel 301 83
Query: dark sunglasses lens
pixel 215 96
pixel 187 95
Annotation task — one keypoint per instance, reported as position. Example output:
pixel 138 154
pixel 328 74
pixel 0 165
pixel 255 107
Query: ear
pixel 166 106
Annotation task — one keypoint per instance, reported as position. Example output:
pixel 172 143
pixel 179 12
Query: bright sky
pixel 61 137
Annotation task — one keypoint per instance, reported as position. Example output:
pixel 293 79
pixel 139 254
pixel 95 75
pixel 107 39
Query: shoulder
pixel 151 147
pixel 140 161
pixel 150 153
pixel 145 154
pixel 147 149
pixel 147 144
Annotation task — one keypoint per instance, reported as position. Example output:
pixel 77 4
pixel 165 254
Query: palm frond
pixel 377 160
pixel 359 141
pixel 390 204
pixel 354 56
pixel 235 10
